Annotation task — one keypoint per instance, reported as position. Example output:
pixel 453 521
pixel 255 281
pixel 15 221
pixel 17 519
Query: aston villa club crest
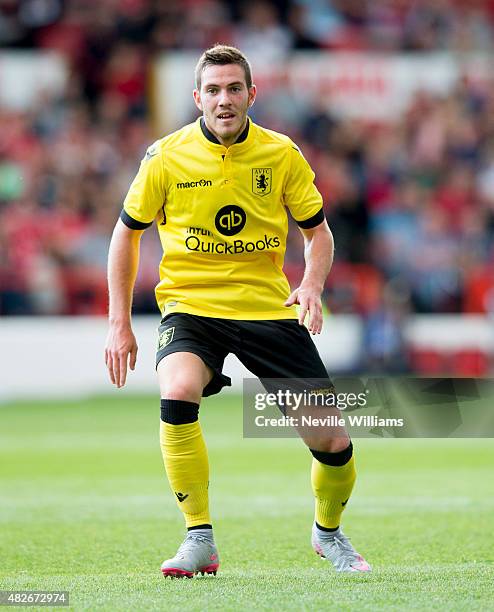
pixel 261 180
pixel 166 337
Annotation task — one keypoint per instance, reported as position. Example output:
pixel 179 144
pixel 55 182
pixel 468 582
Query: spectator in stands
pixel 410 199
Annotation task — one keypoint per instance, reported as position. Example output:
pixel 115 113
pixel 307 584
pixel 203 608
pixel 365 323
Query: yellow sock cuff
pixel 332 487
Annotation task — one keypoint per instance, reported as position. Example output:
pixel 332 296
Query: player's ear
pixel 252 94
pixel 197 99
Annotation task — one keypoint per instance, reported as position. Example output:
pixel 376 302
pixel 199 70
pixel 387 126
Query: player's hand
pixel 309 300
pixel 120 349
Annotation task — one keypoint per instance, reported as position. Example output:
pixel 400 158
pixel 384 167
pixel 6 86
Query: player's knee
pixel 179 412
pixel 336 445
pixel 183 390
pixel 328 444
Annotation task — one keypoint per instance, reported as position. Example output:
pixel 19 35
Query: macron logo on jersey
pixel 192 184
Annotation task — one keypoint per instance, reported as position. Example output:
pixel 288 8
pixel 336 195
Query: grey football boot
pixel 197 554
pixel 336 547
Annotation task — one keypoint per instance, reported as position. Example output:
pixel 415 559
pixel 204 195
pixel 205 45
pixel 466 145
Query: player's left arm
pixel 318 252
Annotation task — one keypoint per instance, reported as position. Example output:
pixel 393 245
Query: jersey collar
pixel 242 142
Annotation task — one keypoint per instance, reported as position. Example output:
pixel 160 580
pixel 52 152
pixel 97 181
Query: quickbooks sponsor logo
pixel 237 247
pixel 192 184
pixel 230 220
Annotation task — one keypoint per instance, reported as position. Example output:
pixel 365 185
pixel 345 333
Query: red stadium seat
pixel 428 362
pixel 479 291
pixel 473 362
pixel 354 287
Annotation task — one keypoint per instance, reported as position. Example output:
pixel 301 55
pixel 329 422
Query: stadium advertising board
pixel 362 86
pixel 25 76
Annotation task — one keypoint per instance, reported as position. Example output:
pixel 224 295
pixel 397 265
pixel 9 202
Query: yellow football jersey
pixel 222 221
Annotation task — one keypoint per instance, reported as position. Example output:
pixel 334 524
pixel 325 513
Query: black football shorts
pixel 269 349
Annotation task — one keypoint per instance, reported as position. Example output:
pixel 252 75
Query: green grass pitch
pixel 85 507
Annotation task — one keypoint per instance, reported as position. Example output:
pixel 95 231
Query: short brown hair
pixel 221 55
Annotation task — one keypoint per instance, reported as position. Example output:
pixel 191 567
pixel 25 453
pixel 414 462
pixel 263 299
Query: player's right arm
pixel 123 263
pixel 145 198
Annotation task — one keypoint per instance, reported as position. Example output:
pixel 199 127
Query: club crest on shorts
pixel 165 337
pixel 261 180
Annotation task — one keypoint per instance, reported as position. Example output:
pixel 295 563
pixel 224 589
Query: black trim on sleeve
pixel 133 223
pixel 312 221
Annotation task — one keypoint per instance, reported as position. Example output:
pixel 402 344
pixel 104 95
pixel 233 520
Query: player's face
pixel 224 99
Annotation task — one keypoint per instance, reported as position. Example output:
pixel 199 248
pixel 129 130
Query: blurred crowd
pixel 92 29
pixel 410 202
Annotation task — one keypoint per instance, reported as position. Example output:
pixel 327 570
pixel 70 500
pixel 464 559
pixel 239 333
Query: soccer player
pixel 218 190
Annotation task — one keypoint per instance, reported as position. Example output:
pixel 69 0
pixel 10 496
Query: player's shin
pixel 186 460
pixel 332 476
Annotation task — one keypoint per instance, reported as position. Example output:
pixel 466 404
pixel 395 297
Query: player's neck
pixel 226 142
